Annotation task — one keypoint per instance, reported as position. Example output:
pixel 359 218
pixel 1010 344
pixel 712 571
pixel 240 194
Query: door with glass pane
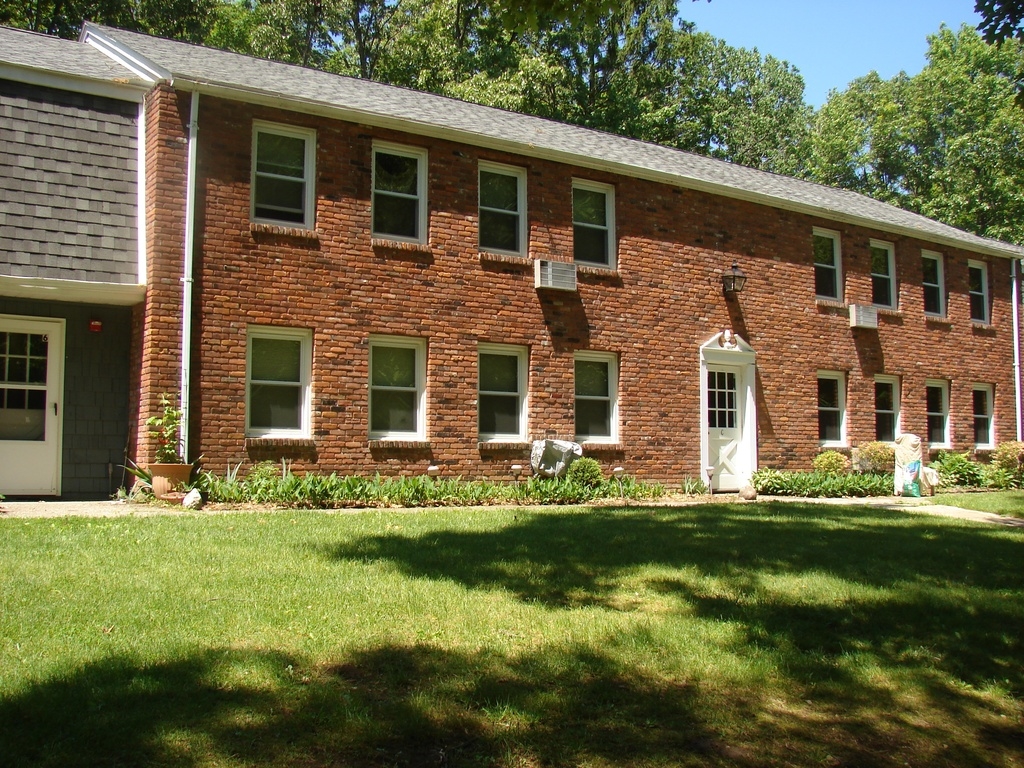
pixel 725 431
pixel 31 354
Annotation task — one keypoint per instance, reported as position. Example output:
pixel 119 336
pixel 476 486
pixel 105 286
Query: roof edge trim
pixel 123 55
pixel 126 90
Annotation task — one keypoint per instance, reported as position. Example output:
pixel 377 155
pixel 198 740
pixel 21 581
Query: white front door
pixel 725 428
pixel 31 390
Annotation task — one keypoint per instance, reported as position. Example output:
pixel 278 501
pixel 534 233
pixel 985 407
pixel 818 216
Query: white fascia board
pixel 76 291
pixel 254 96
pixel 126 90
pixel 125 56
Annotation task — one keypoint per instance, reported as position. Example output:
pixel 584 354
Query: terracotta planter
pixel 167 478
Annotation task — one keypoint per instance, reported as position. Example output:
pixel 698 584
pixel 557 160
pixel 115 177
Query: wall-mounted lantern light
pixel 733 280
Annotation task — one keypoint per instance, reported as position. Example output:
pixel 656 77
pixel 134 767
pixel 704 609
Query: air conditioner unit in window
pixel 557 275
pixel 862 316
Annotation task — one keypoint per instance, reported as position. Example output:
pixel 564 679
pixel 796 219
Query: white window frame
pixel 983 267
pixel 940 286
pixel 305 339
pixel 308 135
pixel 943 386
pixel 521 232
pixel 897 397
pixel 609 214
pixel 420 156
pixel 522 359
pixel 837 257
pixel 418 434
pixel 612 360
pixel 840 378
pixel 989 391
pixel 890 250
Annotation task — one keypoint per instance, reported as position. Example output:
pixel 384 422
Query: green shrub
pixel 772 482
pixel 831 463
pixel 693 486
pixel 875 458
pixel 585 472
pixel 1009 456
pixel 957 469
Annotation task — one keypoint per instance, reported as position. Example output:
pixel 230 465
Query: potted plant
pixel 169 471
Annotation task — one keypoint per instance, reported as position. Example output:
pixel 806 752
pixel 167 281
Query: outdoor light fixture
pixel 516 470
pixel 733 279
pixel 618 472
pixel 433 470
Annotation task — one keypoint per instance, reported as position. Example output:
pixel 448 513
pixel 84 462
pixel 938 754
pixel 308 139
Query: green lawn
pixel 712 635
pixel 1010 503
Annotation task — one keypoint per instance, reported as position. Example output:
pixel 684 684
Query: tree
pixel 1000 19
pixel 947 142
pixel 188 20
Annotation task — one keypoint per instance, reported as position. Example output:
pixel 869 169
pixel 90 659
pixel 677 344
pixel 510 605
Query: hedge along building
pixel 70 264
pixel 360 278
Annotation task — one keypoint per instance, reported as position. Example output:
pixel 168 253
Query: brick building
pixel 360 278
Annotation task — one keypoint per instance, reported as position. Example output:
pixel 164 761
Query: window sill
pixel 503 445
pixel 279 442
pixel 595 269
pixel 282 230
pixel 399 445
pixel 938 320
pixel 979 325
pixel 822 301
pixel 486 257
pixel 888 311
pixel 404 246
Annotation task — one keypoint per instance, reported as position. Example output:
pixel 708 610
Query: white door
pixel 725 428
pixel 31 389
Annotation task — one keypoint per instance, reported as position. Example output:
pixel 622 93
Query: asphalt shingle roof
pixel 302 89
pixel 31 50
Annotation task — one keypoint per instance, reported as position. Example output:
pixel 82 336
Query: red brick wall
pixel 664 301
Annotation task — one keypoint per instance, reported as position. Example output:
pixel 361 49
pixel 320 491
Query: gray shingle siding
pixel 68 185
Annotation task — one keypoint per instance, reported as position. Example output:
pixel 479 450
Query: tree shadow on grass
pixel 388 705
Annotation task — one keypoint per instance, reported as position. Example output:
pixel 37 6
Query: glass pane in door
pixel 23 386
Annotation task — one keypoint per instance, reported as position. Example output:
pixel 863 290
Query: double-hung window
pixel 933 284
pixel 502 208
pixel 593 223
pixel 937 409
pixel 398 392
pixel 831 408
pixel 977 288
pixel 883 274
pixel 828 272
pixel 984 436
pixel 501 392
pixel 282 175
pixel 887 408
pixel 278 371
pixel 399 193
pixel 596 397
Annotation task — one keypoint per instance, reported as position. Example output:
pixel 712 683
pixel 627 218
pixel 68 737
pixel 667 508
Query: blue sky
pixel 832 42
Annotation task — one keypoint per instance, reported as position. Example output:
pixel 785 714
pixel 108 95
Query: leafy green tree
pixel 947 142
pixel 187 20
pixel 1000 19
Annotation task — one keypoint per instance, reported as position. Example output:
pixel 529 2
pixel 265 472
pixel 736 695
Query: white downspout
pixel 186 299
pixel 1016 278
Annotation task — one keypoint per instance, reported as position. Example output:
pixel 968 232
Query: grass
pixel 718 635
pixel 1010 503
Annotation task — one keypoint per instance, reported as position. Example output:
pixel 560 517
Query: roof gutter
pixel 188 265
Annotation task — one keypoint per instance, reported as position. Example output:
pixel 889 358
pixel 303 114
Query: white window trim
pixel 609 214
pixel 406 342
pixel 520 177
pixel 840 377
pixel 983 266
pixel 420 155
pixel 940 269
pixel 897 399
pixel 522 356
pixel 613 386
pixel 989 390
pixel 943 385
pixel 894 290
pixel 837 251
pixel 308 135
pixel 305 339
